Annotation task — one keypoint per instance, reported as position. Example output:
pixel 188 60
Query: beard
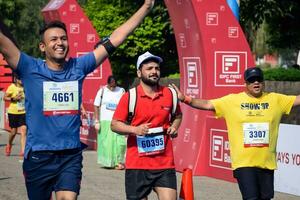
pixel 149 81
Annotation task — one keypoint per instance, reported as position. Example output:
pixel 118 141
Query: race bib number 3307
pixel 60 98
pixel 256 134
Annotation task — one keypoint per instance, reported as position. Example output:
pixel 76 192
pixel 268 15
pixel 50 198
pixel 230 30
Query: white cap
pixel 147 56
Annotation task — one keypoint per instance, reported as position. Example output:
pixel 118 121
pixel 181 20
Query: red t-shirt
pixel 156 111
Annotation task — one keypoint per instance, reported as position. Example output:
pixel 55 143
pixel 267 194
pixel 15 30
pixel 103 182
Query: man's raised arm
pixel 8 49
pixel 122 32
pixel 201 104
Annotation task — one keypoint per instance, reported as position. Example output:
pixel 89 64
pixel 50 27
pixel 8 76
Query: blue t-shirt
pixel 51 132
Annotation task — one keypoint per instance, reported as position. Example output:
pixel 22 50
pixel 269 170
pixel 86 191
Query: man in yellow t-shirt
pixel 252 118
pixel 16 115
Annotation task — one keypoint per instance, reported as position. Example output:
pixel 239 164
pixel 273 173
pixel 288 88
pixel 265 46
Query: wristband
pixel 109 47
pixel 187 100
pixel 106 43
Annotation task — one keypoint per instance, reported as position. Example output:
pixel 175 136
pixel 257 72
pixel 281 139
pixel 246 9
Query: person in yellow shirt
pixel 16 114
pixel 252 118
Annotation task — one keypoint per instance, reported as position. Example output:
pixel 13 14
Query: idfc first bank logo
pixel 229 67
pixel 219 149
pixel 193 76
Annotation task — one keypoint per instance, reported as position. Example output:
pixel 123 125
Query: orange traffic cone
pixel 186 190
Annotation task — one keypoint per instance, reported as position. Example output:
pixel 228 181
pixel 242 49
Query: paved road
pixel 103 184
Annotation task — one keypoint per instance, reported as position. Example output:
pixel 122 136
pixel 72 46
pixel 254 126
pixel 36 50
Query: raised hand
pixel 149 3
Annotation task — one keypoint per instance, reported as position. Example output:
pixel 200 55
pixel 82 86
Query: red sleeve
pixel 121 113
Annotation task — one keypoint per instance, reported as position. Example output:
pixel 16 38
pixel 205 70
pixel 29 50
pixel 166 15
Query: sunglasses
pixel 254 79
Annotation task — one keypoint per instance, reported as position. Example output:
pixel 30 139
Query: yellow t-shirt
pixel 245 116
pixel 16 107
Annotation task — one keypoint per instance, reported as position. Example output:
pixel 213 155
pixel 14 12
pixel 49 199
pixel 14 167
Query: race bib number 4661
pixel 60 98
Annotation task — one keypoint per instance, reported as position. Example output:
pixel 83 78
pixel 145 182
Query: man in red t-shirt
pixel 149 157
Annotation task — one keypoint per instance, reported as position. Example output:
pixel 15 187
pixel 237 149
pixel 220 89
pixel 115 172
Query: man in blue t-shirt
pixel 53 153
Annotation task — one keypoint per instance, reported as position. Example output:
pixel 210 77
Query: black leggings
pixel 255 183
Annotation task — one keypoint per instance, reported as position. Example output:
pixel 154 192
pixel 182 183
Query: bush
pixel 271 74
pixel 281 74
pixel 176 75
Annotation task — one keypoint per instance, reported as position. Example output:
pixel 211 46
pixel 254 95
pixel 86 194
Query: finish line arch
pixel 213 54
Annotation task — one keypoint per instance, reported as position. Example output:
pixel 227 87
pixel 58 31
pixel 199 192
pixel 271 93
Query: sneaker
pixel 7 150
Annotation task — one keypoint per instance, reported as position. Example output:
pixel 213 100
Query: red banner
pixel 213 54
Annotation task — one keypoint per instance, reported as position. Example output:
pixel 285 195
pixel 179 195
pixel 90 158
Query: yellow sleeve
pixel 286 102
pixel 219 105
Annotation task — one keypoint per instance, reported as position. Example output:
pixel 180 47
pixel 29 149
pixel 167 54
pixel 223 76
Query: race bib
pixel 152 143
pixel 60 98
pixel 111 106
pixel 21 105
pixel 256 134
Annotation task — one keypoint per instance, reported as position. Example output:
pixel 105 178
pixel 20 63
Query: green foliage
pixel 176 75
pixel 10 11
pixel 23 17
pixel 281 19
pixel 274 21
pixel 284 27
pixel 154 35
pixel 281 74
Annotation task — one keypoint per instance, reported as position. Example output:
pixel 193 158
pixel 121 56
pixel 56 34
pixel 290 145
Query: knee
pixel 13 131
pixel 23 130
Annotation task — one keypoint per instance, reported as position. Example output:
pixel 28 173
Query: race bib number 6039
pixel 150 145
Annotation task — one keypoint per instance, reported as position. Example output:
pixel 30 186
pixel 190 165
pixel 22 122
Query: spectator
pixel 16 114
pixel 110 146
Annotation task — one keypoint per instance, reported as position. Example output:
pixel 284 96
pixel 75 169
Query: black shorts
pixel 255 183
pixel 16 121
pixel 139 182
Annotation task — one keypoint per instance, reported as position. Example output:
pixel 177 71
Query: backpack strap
pixel 174 100
pixel 101 96
pixel 131 103
pixel 132 98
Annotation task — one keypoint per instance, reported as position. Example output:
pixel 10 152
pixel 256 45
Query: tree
pixel 154 34
pixel 279 20
pixel 24 19
pixel 11 12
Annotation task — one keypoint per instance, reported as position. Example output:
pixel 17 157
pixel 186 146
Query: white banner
pixel 287 177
